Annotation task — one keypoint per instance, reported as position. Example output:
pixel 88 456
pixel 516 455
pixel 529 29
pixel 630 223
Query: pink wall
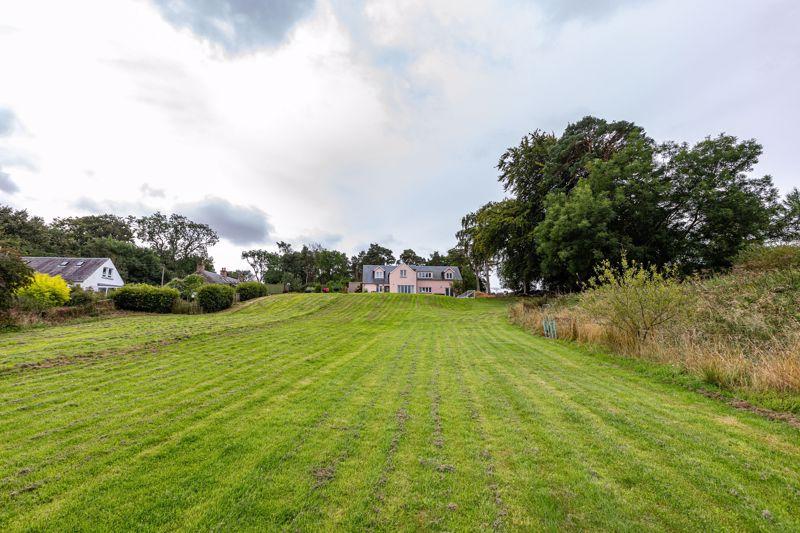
pixel 437 285
pixel 395 279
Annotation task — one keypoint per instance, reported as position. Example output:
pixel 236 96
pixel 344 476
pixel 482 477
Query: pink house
pixel 410 279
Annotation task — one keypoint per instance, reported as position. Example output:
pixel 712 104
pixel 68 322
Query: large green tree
pixel 178 241
pixel 14 274
pixel 410 257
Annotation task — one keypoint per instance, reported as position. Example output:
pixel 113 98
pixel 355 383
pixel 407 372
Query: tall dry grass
pixel 739 331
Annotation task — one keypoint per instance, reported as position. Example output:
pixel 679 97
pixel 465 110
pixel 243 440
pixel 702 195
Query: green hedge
pixel 141 297
pixel 214 298
pixel 251 289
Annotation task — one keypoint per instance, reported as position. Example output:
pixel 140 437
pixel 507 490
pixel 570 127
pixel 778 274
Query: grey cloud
pixel 147 190
pixel 236 25
pixel 564 10
pixel 6 185
pixel 7 120
pixel 237 224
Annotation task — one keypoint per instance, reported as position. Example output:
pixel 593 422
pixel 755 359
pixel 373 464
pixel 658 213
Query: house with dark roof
pixel 212 277
pixel 96 273
pixel 410 279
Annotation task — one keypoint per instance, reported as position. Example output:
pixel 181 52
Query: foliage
pixel 633 298
pixel 214 297
pixel 789 224
pixel 410 257
pixel 251 289
pixel 147 298
pixel 265 264
pixel 602 187
pixel 760 258
pixel 188 286
pixel 134 263
pixel 175 238
pixel 27 234
pixel 78 234
pixel 79 296
pixel 44 291
pixel 14 274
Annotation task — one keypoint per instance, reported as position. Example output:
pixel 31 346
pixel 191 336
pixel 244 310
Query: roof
pixel 76 270
pixel 438 271
pixel 213 277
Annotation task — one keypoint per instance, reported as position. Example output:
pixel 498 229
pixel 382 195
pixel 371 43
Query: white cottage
pixel 96 273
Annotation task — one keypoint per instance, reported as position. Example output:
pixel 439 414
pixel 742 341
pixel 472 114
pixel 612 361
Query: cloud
pixel 6 185
pixel 236 25
pixel 7 121
pixel 564 10
pixel 243 225
pixel 121 208
pixel 154 192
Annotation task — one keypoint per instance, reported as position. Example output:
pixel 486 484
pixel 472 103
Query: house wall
pixel 98 283
pixel 395 279
pixel 371 287
pixel 438 286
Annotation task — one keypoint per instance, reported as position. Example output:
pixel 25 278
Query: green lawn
pixel 319 412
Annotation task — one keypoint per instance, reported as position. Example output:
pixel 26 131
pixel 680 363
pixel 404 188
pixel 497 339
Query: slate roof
pixel 438 272
pixel 72 272
pixel 213 277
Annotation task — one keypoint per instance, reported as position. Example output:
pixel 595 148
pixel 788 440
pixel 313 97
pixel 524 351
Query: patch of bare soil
pixel 789 418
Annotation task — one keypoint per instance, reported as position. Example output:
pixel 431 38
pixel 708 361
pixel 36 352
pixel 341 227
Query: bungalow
pixel 410 279
pixel 96 273
pixel 212 277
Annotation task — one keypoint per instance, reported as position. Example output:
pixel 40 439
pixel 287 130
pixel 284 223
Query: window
pixel 63 263
pixel 405 289
pixel 425 275
pixel 107 272
pixel 403 273
pixel 379 274
pixel 426 290
pixel 80 263
pixel 448 274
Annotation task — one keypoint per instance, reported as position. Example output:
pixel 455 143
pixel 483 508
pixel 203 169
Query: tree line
pixel 603 190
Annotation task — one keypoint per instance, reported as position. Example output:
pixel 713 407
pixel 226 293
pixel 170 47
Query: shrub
pixel 634 299
pixel 79 296
pixel 44 291
pixel 187 286
pixel 761 258
pixel 214 298
pixel 14 274
pixel 251 289
pixel 141 297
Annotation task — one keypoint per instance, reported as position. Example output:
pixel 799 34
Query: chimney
pixel 223 272
pixel 201 267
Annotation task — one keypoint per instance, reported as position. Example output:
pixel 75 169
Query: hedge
pixel 251 289
pixel 141 297
pixel 214 298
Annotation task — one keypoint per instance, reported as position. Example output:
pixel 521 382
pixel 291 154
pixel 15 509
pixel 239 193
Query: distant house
pixel 410 279
pixel 212 277
pixel 96 273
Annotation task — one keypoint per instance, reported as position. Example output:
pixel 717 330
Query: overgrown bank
pixel 739 331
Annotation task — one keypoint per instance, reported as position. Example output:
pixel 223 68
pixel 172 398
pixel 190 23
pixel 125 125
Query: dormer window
pixel 379 274
pixel 448 274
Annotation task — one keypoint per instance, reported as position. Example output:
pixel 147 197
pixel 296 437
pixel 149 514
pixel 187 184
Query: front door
pixel 448 291
pixel 385 288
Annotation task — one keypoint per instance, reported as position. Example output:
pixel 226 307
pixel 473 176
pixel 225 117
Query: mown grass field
pixel 385 412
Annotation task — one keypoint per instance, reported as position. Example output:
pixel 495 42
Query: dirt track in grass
pixel 308 412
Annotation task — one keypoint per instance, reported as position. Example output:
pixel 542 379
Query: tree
pixel 76 233
pixel 789 225
pixel 410 257
pixel 14 274
pixel 457 257
pixel 264 264
pixel 436 259
pixel 332 266
pixel 175 238
pixel 378 255
pixel 27 234
pixel 135 264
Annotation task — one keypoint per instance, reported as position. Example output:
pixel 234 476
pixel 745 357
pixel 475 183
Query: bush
pixel 141 297
pixel 762 258
pixel 213 298
pixel 44 291
pixel 187 286
pixel 251 289
pixel 14 274
pixel 634 299
pixel 79 296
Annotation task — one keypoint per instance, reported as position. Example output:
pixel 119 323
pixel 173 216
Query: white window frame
pixel 378 274
pixel 448 274
pixel 426 290
pixel 425 275
pixel 405 289
pixel 403 273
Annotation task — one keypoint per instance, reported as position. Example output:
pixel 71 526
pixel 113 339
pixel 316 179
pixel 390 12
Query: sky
pixel 350 122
